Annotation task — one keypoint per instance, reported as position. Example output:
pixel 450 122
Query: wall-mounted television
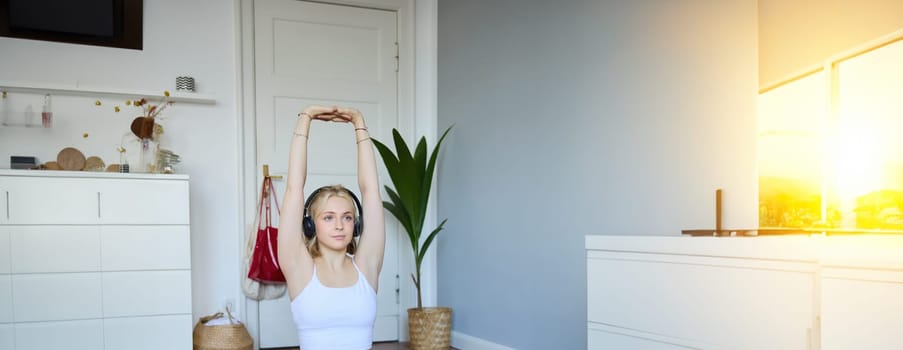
pixel 113 23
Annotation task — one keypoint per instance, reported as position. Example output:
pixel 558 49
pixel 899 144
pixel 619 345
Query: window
pixel 830 149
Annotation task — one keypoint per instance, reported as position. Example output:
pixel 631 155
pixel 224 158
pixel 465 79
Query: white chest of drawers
pixel 94 261
pixel 836 292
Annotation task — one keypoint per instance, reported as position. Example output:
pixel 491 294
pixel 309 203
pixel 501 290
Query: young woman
pixel 332 271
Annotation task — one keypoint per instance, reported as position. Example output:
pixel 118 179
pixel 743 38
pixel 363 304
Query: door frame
pixel 417 108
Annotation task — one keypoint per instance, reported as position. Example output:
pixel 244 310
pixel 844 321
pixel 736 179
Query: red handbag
pixel 265 261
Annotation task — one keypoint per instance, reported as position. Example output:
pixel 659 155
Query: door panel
pixel 350 52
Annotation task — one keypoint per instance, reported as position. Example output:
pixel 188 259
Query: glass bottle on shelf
pixel 47 113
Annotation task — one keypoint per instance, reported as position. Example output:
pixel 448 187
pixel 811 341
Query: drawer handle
pixel 98 205
pixel 7 204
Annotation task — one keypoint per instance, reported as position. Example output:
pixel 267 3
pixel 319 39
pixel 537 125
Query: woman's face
pixel 335 223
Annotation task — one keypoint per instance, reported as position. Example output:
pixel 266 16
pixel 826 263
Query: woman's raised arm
pixel 372 243
pixel 294 260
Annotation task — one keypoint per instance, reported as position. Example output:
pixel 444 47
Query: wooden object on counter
pixel 71 158
pixel 718 211
pixel 51 165
pixel 94 163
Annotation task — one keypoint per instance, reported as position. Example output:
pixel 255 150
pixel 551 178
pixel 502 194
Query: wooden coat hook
pixel 266 173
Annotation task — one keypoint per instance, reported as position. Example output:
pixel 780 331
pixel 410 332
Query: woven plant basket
pixel 232 336
pixel 430 328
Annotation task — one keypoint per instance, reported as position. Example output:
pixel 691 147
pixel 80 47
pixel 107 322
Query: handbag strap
pixel 273 193
pixel 268 191
pixel 261 202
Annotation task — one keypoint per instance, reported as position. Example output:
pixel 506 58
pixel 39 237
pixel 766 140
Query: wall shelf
pixel 77 90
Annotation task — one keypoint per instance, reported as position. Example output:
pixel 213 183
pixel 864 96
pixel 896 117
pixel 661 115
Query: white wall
pixel 582 117
pixel 800 34
pixel 196 38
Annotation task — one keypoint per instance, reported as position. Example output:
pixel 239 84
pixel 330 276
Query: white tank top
pixel 335 318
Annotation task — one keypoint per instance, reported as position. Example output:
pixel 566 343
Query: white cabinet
pixel 94 261
pixel 792 292
pixel 4 206
pixel 6 299
pixel 689 299
pixel 144 333
pixel 52 200
pixel 7 337
pixel 4 250
pixel 605 339
pixel 861 289
pixel 862 313
pixel 81 334
pixel 156 201
pixel 79 201
pixel 40 249
pixel 51 296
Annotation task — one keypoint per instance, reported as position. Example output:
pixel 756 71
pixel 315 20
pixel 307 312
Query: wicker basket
pixel 232 336
pixel 430 328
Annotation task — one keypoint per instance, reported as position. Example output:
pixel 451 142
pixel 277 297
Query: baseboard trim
pixel 465 342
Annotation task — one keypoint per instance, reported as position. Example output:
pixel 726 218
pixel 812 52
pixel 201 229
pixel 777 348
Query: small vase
pixel 141 154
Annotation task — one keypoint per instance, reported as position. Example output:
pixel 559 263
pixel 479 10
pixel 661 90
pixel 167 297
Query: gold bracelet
pixel 362 140
pixel 303 113
pixel 299 134
pixel 358 129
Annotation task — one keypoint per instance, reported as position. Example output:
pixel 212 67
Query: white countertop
pixel 91 174
pixel 837 251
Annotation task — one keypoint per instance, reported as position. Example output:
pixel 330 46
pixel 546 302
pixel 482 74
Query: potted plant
pixel 412 177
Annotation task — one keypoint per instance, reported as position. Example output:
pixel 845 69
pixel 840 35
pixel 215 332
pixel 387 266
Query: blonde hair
pixel 316 207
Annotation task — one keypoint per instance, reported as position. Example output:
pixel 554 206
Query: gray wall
pixel 582 117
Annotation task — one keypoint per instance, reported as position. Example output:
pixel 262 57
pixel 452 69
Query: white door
pixel 314 53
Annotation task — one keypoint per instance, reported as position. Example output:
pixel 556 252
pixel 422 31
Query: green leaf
pixel 429 240
pixel 428 174
pixel 408 184
pixel 403 216
pixel 412 177
pixel 420 158
pixel 389 159
pixel 399 213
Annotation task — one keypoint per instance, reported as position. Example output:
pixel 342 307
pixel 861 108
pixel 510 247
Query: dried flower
pixel 143 125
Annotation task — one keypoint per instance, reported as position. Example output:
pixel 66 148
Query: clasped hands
pixel 332 114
